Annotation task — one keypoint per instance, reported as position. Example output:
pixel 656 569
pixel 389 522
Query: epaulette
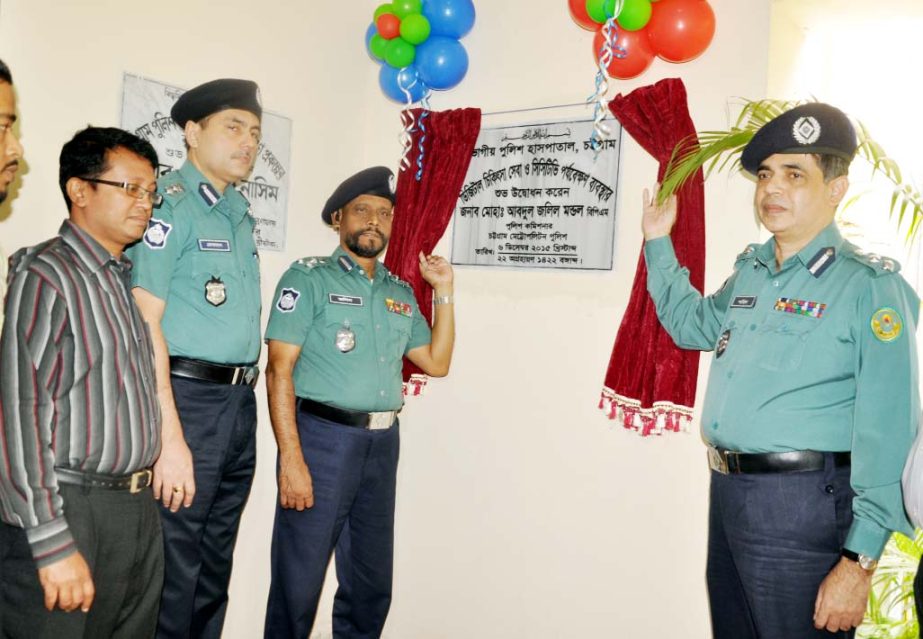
pixel 171 187
pixel 310 262
pixel 879 264
pixel 747 253
pixel 398 280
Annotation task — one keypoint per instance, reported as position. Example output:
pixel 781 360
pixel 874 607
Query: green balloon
pixel 384 8
pixel 635 14
pixel 400 53
pixel 596 10
pixel 415 28
pixel 609 8
pixel 378 46
pixel 403 8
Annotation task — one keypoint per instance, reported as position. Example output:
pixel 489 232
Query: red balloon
pixel 580 16
pixel 638 58
pixel 680 30
pixel 389 26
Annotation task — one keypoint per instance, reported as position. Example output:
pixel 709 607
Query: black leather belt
pixel 217 373
pixel 796 461
pixel 133 483
pixel 370 421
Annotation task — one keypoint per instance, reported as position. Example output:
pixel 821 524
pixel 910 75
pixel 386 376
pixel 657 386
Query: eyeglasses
pixel 135 191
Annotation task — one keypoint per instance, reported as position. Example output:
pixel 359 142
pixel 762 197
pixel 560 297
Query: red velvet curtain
pixel 650 384
pixel 424 207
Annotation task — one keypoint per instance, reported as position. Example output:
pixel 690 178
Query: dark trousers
pixel 219 424
pixel 918 592
pixel 118 535
pixel 354 473
pixel 772 538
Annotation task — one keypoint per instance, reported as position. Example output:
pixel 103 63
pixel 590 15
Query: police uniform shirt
pixel 199 256
pixel 316 299
pixel 817 355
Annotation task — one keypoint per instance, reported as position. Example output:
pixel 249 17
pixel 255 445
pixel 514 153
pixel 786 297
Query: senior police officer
pixel 812 397
pixel 197 283
pixel 337 334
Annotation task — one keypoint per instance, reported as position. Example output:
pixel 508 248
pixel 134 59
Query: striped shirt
pixel 77 385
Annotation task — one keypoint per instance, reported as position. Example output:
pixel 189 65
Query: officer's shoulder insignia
pixel 747 253
pixel 879 264
pixel 394 278
pixel 288 300
pixel 886 324
pixel 174 189
pixel 311 262
pixel 157 232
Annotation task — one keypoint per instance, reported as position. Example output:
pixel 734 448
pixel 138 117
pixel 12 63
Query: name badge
pixel 744 301
pixel 349 300
pixel 215 245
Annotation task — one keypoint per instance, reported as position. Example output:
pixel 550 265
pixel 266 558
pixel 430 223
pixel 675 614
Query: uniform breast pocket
pixel 784 340
pixel 399 326
pixel 345 327
pixel 217 275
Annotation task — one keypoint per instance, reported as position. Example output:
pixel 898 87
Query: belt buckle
pixel 717 460
pixel 381 420
pixel 251 375
pixel 136 486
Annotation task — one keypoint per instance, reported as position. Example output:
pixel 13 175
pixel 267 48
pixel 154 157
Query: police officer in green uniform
pixel 337 333
pixel 197 283
pixel 812 397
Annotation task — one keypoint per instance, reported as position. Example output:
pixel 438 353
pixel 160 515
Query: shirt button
pixel 381 359
pixel 377 327
pixel 752 327
pixel 776 283
pixel 730 374
pixel 714 426
pixel 828 489
pixel 382 393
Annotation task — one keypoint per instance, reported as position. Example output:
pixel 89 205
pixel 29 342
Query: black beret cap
pixel 378 180
pixel 217 95
pixel 809 128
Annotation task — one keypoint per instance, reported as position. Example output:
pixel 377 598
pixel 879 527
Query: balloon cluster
pixel 417 42
pixel 674 30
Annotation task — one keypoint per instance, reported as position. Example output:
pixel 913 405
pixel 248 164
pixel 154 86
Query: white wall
pixel 522 512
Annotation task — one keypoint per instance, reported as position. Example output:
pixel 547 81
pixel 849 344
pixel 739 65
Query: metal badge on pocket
pixel 346 338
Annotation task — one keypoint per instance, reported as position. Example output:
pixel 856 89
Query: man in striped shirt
pixel 80 423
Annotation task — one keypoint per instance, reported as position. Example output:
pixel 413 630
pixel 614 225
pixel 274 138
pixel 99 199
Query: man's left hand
pixel 843 597
pixel 436 271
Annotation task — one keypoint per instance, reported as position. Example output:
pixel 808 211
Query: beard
pixel 3 196
pixel 352 243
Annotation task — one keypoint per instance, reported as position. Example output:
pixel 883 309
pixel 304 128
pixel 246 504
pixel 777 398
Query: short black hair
pixel 86 154
pixel 5 75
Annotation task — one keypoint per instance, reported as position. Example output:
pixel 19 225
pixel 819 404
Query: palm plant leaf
pixel 712 151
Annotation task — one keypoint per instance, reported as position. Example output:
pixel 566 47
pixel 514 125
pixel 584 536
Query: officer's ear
pixel 836 189
pixel 335 219
pixel 192 130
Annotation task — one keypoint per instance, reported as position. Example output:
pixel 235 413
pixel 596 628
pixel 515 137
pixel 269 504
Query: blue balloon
pixel 372 30
pixel 391 80
pixel 441 61
pixel 452 18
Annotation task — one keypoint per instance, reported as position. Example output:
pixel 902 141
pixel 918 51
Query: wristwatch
pixel 865 562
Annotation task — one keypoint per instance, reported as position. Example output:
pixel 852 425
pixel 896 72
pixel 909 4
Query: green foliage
pixel 717 150
pixel 891 613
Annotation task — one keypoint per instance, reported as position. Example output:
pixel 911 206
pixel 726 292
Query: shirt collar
pixel 345 264
pixel 829 237
pixel 90 252
pixel 236 204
